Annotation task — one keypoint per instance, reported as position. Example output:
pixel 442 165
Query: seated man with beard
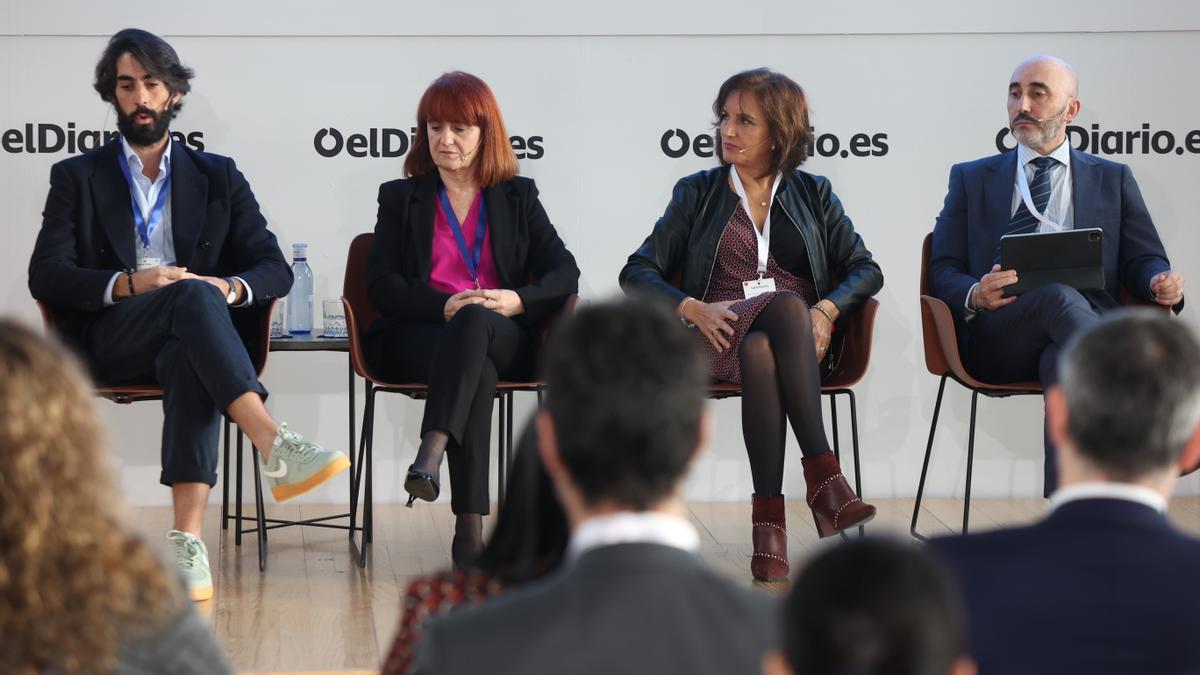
pixel 1044 185
pixel 150 255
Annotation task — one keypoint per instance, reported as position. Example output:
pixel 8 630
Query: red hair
pixel 462 98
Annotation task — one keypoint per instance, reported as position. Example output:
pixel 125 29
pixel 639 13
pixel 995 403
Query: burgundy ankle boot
pixel 770 561
pixel 833 503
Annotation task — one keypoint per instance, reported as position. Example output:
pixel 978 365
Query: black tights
pixel 780 376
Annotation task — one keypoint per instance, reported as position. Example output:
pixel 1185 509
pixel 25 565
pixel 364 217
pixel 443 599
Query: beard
pixel 1040 135
pixel 144 134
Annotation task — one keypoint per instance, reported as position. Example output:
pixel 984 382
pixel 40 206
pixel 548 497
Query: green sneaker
pixel 191 558
pixel 297 466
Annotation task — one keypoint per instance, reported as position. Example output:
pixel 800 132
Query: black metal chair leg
pixel 225 479
pixel 508 438
pixel 363 469
pixel 937 408
pixel 837 450
pixel 970 462
pixel 369 491
pixel 854 444
pixel 500 456
pixel 237 530
pixel 259 514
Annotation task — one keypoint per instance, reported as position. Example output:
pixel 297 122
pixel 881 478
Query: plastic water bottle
pixel 300 300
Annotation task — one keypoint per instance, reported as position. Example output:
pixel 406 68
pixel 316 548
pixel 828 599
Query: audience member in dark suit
pixel 464 267
pixel 873 606
pixel 623 420
pixel 1104 584
pixel 79 592
pixel 153 256
pixel 1019 337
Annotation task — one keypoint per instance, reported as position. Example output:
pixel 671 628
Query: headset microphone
pixel 1052 117
pixel 742 151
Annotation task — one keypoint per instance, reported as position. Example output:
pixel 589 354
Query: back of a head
pixel 72 582
pixel 873 607
pixel 1132 385
pixel 626 388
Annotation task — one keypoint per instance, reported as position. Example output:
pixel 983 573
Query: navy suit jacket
pixel 978 209
pixel 88 234
pixel 1100 586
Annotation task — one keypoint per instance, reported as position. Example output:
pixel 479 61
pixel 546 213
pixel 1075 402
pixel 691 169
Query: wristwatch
pixel 233 293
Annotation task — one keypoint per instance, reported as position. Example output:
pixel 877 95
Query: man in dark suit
pixel 1104 584
pixel 1019 337
pixel 623 420
pixel 155 260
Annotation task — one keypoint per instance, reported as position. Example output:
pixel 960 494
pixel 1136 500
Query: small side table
pixel 312 342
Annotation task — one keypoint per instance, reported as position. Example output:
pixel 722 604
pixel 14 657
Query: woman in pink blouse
pixel 464 266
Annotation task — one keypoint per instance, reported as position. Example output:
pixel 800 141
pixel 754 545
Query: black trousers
pixel 461 361
pixel 182 337
pixel 1023 340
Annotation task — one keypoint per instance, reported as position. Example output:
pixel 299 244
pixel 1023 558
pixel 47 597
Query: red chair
pixel 360 313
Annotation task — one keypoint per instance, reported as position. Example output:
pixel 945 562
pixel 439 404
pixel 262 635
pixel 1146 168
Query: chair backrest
pixel 932 329
pixel 360 311
pixel 859 330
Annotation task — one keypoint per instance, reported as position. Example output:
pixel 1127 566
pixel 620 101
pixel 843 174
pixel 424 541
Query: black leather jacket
pixel 683 245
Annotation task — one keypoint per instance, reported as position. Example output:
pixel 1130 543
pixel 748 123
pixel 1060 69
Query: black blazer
pixel 530 257
pixel 1100 586
pixel 685 239
pixel 626 608
pixel 88 235
pixel 978 209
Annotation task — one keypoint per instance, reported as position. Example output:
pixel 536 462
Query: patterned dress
pixel 737 261
pixel 432 596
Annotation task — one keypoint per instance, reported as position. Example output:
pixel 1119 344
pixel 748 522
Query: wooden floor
pixel 314 610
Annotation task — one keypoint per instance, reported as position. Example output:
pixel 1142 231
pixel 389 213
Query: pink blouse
pixel 448 271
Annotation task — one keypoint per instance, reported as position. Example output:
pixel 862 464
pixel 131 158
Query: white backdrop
pixel 597 92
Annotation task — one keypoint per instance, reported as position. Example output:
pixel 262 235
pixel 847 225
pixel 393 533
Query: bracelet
pixel 683 304
pixel 822 310
pixel 129 278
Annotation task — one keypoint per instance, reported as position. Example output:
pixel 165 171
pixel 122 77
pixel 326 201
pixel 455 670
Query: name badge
pixel 756 287
pixel 145 262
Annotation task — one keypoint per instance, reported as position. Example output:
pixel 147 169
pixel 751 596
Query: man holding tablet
pixel 1043 186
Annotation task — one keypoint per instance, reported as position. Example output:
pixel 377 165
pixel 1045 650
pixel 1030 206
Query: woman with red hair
pixel 464 266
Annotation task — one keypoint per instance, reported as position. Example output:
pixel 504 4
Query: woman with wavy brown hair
pixel 79 593
pixel 763 301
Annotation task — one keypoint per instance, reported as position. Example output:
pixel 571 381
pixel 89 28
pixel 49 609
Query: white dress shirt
pixel 1105 490
pixel 629 527
pixel 162 239
pixel 1059 208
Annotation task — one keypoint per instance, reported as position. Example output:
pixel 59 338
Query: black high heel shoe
pixel 422 485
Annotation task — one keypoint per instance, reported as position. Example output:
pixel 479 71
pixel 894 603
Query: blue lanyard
pixel 146 227
pixel 471 258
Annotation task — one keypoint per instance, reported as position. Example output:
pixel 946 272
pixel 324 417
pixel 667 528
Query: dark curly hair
pixel 155 55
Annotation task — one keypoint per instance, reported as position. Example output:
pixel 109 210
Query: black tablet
pixel 1073 257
